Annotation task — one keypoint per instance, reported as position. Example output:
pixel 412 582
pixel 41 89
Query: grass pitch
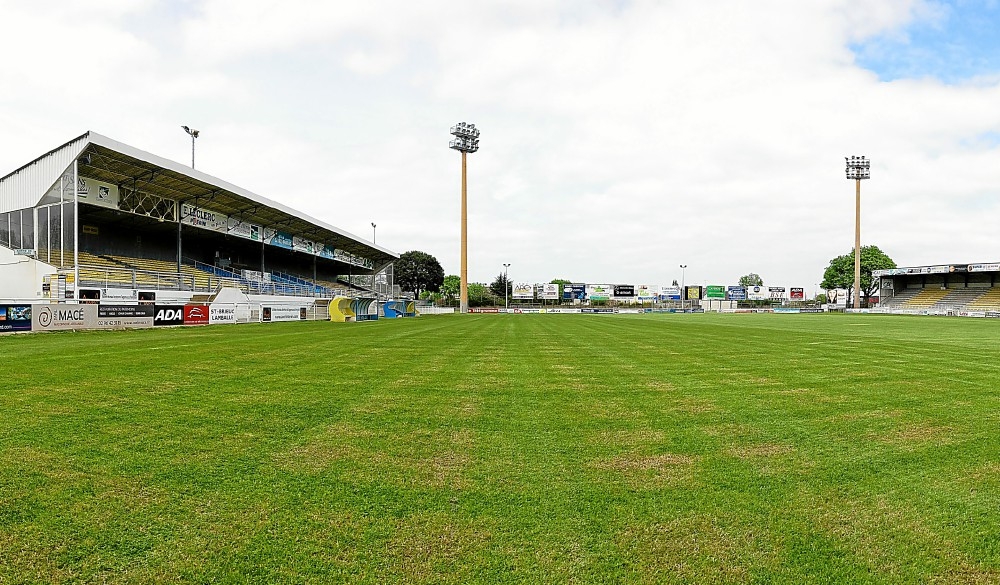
pixel 495 448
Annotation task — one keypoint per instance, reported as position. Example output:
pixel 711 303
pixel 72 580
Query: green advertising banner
pixel 715 292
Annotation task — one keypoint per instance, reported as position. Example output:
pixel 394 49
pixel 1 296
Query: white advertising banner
pixel 523 290
pixel 303 245
pixel 993 267
pixel 646 292
pixel 758 293
pixel 222 314
pixel 549 292
pixel 599 292
pixel 62 317
pixel 119 296
pixel 244 229
pixel 204 218
pixel 98 193
pixel 282 313
pixel 776 293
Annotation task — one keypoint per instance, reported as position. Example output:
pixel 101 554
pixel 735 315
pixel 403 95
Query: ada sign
pixel 169 315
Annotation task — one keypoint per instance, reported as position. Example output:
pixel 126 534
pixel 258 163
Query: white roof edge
pixel 101 140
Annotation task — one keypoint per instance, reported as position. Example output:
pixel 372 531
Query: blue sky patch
pixel 962 43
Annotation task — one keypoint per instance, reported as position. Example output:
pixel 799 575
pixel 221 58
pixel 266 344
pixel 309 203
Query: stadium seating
pixel 925 299
pixel 988 301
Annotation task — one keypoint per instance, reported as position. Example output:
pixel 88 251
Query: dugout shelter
pixel 99 220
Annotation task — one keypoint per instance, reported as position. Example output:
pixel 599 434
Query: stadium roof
pixel 113 162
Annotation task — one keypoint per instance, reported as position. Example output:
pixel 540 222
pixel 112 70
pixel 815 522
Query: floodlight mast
pixel 858 168
pixel 194 134
pixel 466 141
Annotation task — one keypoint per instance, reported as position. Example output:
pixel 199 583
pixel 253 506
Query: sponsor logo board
pixel 15 318
pixel 119 295
pixel 523 290
pixel 576 291
pixel 714 291
pixel 218 314
pixel 776 293
pixel 65 317
pixel 757 293
pixel 737 293
pixel 278 313
pixel 646 291
pixel 549 291
pixel 797 294
pixel 624 291
pixel 599 292
pixel 196 315
pixel 168 315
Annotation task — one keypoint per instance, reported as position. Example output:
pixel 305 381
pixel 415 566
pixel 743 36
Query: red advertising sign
pixel 797 294
pixel 195 315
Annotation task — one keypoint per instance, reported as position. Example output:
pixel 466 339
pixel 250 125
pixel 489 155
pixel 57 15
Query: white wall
pixel 21 276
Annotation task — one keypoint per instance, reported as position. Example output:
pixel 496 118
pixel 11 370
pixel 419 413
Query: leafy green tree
pixel 480 295
pixel 418 271
pixel 500 284
pixel 840 272
pixel 752 279
pixel 451 287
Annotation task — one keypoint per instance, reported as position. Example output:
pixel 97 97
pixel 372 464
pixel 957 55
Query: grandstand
pixel 948 289
pixel 95 217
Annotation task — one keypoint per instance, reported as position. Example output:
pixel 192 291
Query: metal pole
pixel 76 229
pixel 464 295
pixel 506 282
pixel 192 151
pixel 857 245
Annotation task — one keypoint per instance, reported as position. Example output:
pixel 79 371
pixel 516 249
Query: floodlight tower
pixel 194 134
pixel 683 267
pixel 466 141
pixel 858 168
pixel 506 285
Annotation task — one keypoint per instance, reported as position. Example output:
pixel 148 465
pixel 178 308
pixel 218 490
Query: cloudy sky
pixel 619 139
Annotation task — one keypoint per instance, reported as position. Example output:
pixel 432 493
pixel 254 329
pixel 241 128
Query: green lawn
pixel 506 448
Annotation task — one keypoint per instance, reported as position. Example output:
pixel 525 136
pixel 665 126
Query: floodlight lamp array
pixel 466 137
pixel 858 168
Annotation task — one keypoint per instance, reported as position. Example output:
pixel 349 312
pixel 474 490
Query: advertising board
pixel 624 291
pixel 65 317
pixel 196 315
pixel 523 290
pixel 713 291
pixel 221 314
pixel 670 293
pixel 736 293
pixel 776 293
pixel 279 313
pixel 549 291
pixel 204 218
pixel 797 294
pixel 599 292
pixel 576 291
pixel 168 315
pixel 692 292
pixel 646 292
pixel 119 295
pixel 757 293
pixel 992 267
pixel 15 318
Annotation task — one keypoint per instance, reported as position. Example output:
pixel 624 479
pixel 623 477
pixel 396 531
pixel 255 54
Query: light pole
pixel 858 168
pixel 506 285
pixel 194 134
pixel 683 287
pixel 466 141
pixel 373 232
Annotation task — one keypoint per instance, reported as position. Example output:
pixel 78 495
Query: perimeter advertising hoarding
pixel 282 313
pixel 15 318
pixel 168 315
pixel 736 293
pixel 646 292
pixel 797 294
pixel 599 292
pixel 994 267
pixel 221 314
pixel 713 291
pixel 757 293
pixel 576 291
pixel 624 291
pixel 65 317
pixel 776 293
pixel 692 293
pixel 523 290
pixel 119 295
pixel 196 314
pixel 549 292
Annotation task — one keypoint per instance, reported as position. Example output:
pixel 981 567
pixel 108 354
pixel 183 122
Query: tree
pixel 500 285
pixel 752 279
pixel 451 287
pixel 480 295
pixel 840 272
pixel 418 271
